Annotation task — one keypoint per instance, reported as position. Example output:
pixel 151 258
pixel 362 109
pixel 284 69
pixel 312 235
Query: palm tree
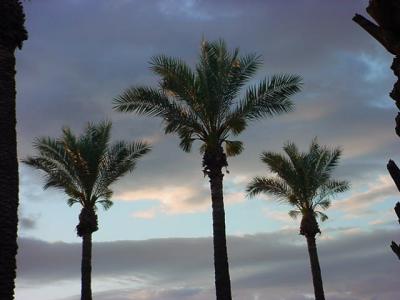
pixel 203 105
pixel 303 180
pixel 84 167
pixel 12 35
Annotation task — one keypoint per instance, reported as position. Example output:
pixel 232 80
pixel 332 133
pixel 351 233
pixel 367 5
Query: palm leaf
pixel 85 166
pixel 273 186
pixel 233 148
pixel 303 179
pixel 271 97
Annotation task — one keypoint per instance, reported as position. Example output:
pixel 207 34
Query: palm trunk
pixel 86 267
pixel 8 174
pixel 87 225
pixel 12 34
pixel 222 278
pixel 315 268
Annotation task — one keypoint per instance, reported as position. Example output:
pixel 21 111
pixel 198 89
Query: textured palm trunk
pixel 221 265
pixel 12 35
pixel 309 228
pixel 315 268
pixel 8 174
pixel 87 225
pixel 213 162
pixel 86 267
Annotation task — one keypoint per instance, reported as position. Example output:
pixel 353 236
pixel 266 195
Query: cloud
pixel 172 199
pixel 190 197
pixel 361 202
pixel 280 216
pixel 146 214
pixel 262 264
pixel 27 222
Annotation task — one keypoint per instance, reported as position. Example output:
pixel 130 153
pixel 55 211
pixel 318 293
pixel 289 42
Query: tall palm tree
pixel 12 35
pixel 303 180
pixel 205 105
pixel 84 167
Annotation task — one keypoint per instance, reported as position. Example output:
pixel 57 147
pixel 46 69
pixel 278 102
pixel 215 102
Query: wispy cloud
pixel 172 199
pixel 361 202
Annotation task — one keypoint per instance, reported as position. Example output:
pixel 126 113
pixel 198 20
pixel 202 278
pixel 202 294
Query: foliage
pixel 206 103
pixel 302 180
pixel 85 166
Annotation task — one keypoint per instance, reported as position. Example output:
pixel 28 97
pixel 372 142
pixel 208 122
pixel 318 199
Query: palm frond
pixel 234 124
pixel 186 139
pixel 71 201
pixel 294 213
pixel 323 217
pixel 145 101
pixel 177 78
pixel 336 186
pixel 271 97
pixel 241 71
pixel 120 158
pixel 281 166
pixel 106 203
pixel 272 186
pixel 324 203
pixel 233 148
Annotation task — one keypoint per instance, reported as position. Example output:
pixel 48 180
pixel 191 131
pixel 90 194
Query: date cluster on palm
pixel 386 30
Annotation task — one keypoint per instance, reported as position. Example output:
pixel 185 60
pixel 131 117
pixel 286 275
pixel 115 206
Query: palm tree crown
pixel 302 180
pixel 84 167
pixel 202 104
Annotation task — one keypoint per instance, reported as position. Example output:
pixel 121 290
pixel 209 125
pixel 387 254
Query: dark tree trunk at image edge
pixel 309 228
pixel 12 34
pixel 8 175
pixel 315 268
pixel 87 225
pixel 386 14
pixel 213 164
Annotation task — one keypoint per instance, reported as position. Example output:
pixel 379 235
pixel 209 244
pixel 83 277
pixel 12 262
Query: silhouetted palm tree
pixel 84 167
pixel 12 35
pixel 202 104
pixel 303 180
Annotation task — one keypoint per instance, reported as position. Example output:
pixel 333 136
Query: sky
pixel 155 242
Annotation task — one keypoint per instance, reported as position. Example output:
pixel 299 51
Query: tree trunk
pixel 87 225
pixel 387 15
pixel 315 268
pixel 8 174
pixel 222 278
pixel 86 267
pixel 12 35
pixel 214 160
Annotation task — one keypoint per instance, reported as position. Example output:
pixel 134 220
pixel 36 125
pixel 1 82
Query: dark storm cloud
pixel 263 264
